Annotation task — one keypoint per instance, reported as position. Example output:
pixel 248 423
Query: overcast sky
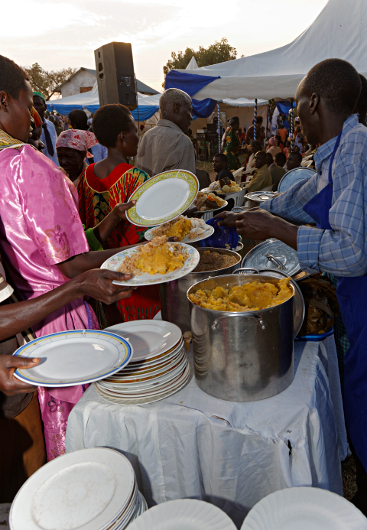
pixel 65 33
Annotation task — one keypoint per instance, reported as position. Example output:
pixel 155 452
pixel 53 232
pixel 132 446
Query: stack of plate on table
pixel 304 509
pixel 159 366
pixel 184 514
pixel 91 489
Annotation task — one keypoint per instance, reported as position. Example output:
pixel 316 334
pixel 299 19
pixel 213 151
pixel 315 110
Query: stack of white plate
pixel 91 489
pixel 184 514
pixel 159 366
pixel 304 509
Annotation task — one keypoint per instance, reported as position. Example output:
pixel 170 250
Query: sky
pixel 65 33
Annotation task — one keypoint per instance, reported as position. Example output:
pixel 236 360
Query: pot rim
pixel 244 313
pixel 221 251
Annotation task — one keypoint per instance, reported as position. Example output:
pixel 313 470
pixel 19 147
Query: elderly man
pixel 167 145
pixel 262 176
pixel 49 134
pixel 335 198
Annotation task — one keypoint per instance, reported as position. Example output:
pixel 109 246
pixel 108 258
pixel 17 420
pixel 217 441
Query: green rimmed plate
pixel 162 198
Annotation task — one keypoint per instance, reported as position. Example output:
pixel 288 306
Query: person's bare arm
pixel 16 317
pixel 105 227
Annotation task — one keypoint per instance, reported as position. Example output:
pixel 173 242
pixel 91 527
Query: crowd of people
pixel 64 192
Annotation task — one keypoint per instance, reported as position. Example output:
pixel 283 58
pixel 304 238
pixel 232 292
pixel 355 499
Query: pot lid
pixel 260 196
pixel 223 237
pixel 273 254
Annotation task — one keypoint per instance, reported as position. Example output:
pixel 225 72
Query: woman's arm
pixel 105 227
pixel 17 317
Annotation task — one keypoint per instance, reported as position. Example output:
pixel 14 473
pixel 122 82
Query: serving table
pixel 230 454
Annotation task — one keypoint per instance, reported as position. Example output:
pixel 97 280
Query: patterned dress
pixel 97 197
pixel 232 142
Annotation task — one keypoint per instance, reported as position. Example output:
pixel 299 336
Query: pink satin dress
pixel 39 228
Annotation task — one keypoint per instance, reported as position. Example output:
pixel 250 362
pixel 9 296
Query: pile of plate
pixel 184 514
pixel 159 366
pixel 91 489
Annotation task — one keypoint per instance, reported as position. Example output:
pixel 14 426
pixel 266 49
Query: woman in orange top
pixel 107 183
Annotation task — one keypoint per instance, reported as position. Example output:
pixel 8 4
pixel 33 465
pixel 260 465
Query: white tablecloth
pixel 231 454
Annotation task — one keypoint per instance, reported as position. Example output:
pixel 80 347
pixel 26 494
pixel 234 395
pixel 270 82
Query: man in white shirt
pixel 167 146
pixel 49 135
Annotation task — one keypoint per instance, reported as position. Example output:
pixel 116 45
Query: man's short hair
pixel 222 157
pixel 296 155
pixel 361 105
pixel 280 159
pixel 337 82
pixel 269 159
pixel 171 97
pixel 78 119
pixel 12 77
pixel 256 144
pixel 109 121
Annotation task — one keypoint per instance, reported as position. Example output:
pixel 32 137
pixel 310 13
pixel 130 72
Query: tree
pixel 47 81
pixel 219 52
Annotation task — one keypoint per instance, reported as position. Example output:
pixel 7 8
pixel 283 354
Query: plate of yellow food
pixel 185 229
pixel 158 261
pixel 225 186
pixel 206 201
pixel 162 198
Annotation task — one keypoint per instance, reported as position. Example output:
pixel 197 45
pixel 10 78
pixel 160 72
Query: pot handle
pixel 259 320
pixel 247 269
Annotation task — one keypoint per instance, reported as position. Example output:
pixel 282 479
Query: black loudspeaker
pixel 115 74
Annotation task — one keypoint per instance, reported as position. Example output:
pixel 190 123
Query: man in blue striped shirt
pixel 335 198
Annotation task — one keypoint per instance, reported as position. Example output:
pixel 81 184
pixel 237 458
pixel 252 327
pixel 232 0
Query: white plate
pixel 163 197
pixel 84 490
pixel 209 231
pixel 304 509
pixel 144 400
pixel 114 262
pixel 74 357
pixel 148 338
pixel 183 514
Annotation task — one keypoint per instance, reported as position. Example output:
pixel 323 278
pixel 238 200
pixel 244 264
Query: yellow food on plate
pixel 180 229
pixel 251 296
pixel 156 257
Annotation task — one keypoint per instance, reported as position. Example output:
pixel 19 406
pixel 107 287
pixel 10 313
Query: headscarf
pixel 77 139
pixel 273 141
pixel 40 95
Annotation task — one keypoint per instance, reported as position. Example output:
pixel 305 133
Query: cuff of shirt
pixel 266 205
pixel 308 246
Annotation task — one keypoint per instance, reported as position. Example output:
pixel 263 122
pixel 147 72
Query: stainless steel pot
pixel 174 304
pixel 243 356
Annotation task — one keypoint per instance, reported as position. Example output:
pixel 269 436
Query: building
pixel 84 79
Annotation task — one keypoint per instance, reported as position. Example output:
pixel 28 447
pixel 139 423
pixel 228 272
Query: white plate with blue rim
pixel 74 357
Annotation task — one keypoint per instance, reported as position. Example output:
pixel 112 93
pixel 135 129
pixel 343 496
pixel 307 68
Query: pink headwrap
pixel 273 141
pixel 76 139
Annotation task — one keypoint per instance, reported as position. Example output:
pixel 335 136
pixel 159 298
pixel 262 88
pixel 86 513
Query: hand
pixel 255 224
pixel 97 283
pixel 119 210
pixel 229 218
pixel 9 384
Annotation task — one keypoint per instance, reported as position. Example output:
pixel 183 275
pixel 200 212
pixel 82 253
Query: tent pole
pixel 292 126
pixel 218 130
pixel 255 118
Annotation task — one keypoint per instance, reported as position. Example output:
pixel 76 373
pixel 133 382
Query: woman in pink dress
pixel 41 236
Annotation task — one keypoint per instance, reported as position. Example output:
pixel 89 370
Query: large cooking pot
pixel 245 356
pixel 174 304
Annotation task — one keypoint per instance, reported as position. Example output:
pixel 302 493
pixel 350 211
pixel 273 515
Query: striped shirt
pixel 341 251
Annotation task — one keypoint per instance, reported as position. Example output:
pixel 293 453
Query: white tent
pixel 339 31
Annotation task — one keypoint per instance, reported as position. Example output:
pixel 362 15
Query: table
pixel 230 454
